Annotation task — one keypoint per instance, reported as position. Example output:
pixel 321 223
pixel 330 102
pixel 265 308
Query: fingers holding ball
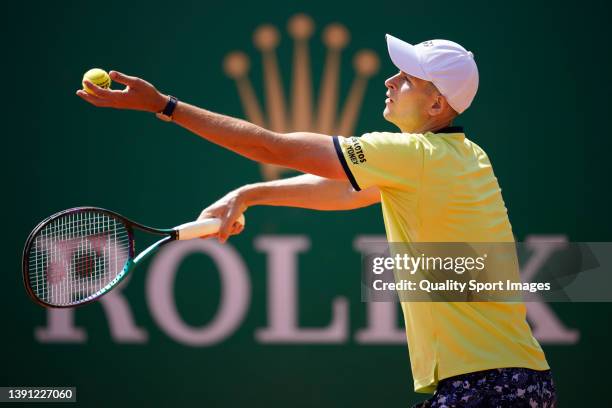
pixel 97 77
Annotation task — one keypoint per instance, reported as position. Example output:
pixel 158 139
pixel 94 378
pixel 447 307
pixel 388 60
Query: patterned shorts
pixel 497 388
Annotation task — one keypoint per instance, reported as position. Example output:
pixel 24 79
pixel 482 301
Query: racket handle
pixel 197 229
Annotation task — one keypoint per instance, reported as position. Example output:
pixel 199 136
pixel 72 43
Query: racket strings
pixel 76 256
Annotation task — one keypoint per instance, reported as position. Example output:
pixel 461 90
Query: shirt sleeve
pixel 381 159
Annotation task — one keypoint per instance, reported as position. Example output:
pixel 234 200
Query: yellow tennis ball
pixel 97 76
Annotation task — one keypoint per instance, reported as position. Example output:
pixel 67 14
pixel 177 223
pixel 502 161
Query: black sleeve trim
pixel 344 164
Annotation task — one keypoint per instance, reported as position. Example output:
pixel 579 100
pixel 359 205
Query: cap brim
pixel 405 57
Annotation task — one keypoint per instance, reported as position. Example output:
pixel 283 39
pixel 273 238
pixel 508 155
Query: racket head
pixel 77 255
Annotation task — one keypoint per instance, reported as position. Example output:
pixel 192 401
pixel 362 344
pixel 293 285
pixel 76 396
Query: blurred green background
pixel 541 114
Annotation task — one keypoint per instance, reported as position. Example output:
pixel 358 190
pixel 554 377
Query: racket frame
pixel 171 235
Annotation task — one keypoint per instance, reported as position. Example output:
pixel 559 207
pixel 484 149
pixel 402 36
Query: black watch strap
pixel 170 106
pixel 166 114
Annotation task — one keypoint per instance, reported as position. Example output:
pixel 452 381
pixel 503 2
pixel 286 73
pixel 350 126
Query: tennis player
pixel 434 185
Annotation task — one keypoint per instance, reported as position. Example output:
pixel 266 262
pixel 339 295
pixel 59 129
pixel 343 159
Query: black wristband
pixel 170 106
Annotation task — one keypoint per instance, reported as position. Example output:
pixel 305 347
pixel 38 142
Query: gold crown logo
pixel 302 117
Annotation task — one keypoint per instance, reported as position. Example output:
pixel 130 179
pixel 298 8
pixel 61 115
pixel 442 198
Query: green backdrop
pixel 541 114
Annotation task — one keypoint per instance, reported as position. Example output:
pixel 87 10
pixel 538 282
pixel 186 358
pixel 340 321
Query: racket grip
pixel 197 229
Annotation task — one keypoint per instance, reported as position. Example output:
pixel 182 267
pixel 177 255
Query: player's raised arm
pixel 312 153
pixel 307 152
pixel 305 191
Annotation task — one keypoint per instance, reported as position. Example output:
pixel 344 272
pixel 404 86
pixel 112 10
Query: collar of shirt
pixel 450 129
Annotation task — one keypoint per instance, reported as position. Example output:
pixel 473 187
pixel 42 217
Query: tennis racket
pixel 76 256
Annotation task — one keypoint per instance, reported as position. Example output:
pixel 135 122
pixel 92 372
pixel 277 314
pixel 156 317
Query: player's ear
pixel 439 104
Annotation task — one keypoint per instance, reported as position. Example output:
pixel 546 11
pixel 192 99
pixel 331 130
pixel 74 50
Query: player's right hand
pixel 228 209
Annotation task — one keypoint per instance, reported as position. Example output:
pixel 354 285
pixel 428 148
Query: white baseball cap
pixel 448 65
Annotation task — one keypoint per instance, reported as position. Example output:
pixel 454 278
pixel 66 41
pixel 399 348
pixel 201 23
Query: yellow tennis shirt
pixel 440 187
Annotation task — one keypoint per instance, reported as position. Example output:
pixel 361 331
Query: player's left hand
pixel 138 94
